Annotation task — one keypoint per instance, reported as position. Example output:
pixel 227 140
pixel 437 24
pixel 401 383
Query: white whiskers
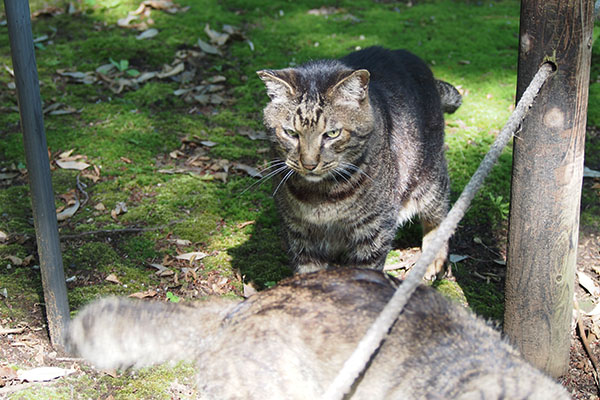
pixel 347 167
pixel 279 166
pixel 285 178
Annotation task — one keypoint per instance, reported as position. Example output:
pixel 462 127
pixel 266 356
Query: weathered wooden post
pixel 38 167
pixel 546 182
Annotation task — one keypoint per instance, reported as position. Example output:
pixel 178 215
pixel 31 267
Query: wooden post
pixel 38 168
pixel 546 182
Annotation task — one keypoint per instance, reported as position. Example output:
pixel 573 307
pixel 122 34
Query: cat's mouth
pixel 312 177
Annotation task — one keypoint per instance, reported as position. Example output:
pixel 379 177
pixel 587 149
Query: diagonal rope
pixel 370 342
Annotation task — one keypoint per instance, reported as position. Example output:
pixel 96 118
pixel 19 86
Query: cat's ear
pixel 279 84
pixel 352 88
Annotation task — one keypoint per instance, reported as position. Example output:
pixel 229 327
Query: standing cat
pixel 360 145
pixel 290 341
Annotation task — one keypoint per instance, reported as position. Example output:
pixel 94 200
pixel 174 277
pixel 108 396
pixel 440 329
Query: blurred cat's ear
pixel 352 88
pixel 279 84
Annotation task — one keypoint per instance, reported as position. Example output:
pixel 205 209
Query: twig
pixel 352 368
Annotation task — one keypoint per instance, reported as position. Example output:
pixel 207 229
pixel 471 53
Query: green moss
pixel 92 255
pixel 15 210
pixel 149 383
pixel 23 287
pixel 451 290
pixel 483 297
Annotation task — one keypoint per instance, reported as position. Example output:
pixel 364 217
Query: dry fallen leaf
pixel 176 154
pixel 8 175
pixel 245 224
pixel 454 258
pixel 166 273
pixel 590 173
pixel 66 154
pixel 28 260
pixel 165 5
pixel 16 261
pixel 588 283
pixel 120 208
pixel 222 176
pixel 94 178
pixel 192 256
pixel 145 76
pixel 181 242
pixel 77 165
pixel 216 37
pixel 126 22
pixel 160 268
pixel 208 48
pixel 595 312
pixel 68 212
pixel 78 77
pixel 12 331
pixel 252 134
pixel 113 279
pixel 100 207
pixel 253 172
pixel 144 294
pixel 43 374
pixel 169 70
pixel 147 34
pixel 59 109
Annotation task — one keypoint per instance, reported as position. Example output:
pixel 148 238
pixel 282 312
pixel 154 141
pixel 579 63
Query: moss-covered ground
pixel 176 163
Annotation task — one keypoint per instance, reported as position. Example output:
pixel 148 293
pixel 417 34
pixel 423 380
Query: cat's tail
pixel 451 98
pixel 116 333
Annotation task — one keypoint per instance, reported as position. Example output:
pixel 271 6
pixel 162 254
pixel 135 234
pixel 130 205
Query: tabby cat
pixel 360 147
pixel 289 342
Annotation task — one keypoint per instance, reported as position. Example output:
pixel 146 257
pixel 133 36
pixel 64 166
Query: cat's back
pixel 391 67
pixel 290 341
pixel 309 301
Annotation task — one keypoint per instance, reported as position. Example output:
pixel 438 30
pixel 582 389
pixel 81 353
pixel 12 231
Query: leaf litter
pixel 193 88
pixel 193 157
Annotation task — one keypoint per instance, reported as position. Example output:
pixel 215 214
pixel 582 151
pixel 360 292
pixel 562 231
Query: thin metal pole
pixel 38 167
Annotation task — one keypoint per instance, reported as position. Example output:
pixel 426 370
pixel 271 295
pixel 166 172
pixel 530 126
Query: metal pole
pixel 38 167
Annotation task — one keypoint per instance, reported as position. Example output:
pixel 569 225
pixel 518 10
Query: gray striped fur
pixel 290 341
pixel 359 143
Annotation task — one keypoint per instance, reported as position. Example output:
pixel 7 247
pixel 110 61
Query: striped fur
pixel 289 342
pixel 360 141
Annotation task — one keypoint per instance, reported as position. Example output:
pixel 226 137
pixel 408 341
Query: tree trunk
pixel 546 182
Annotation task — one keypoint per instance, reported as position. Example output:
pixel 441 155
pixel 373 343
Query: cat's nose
pixel 309 165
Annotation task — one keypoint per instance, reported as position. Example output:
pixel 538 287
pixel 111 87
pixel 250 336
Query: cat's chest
pixel 320 213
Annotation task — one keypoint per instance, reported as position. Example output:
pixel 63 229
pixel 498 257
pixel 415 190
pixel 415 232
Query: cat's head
pixel 319 116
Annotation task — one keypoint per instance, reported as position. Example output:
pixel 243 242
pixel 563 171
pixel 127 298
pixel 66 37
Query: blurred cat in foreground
pixel 289 342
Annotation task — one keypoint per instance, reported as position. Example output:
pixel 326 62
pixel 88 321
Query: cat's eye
pixel 333 134
pixel 291 132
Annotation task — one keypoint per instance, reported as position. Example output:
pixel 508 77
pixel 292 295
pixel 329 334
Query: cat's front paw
pixel 438 269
